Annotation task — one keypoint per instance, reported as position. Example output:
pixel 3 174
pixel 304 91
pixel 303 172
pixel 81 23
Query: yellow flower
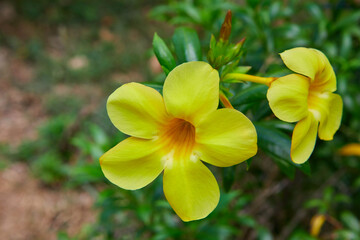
pixel 351 149
pixel 306 97
pixel 316 224
pixel 173 134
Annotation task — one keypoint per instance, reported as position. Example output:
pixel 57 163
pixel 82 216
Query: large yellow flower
pixel 307 97
pixel 173 134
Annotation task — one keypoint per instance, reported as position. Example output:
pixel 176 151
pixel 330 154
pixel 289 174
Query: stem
pixel 225 101
pixel 250 78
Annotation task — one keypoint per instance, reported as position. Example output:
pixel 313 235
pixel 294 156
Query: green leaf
pixel 98 135
pixel 301 235
pixel 157 86
pixel 261 110
pixel 249 95
pixel 346 234
pixel 314 203
pixel 248 163
pixel 328 194
pixel 242 69
pixel 341 198
pixel 278 124
pixel 284 166
pixel 263 233
pixel 350 221
pixel 275 10
pixel 228 174
pixel 346 44
pixel 187 45
pixel 191 11
pixel 63 236
pixel 225 200
pixel 315 10
pixel 246 220
pixel 346 21
pixel 163 54
pixel 277 145
pixel 84 173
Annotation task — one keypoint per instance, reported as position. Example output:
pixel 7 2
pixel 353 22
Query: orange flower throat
pixel 178 137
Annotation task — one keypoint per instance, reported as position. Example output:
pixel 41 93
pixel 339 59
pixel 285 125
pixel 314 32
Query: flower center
pixel 178 138
pixel 318 103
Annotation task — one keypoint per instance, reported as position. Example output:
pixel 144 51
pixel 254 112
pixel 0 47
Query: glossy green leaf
pixel 228 175
pixel 285 166
pixel 157 86
pixel 278 124
pixel 277 145
pixel 261 110
pixel 163 54
pixel 187 45
pixel 249 95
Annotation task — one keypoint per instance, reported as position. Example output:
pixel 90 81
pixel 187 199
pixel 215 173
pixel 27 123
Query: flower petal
pixel 302 60
pixel 133 163
pixel 330 123
pixel 191 91
pixel 136 110
pixel 304 139
pixel 325 79
pixel 350 149
pixel 225 138
pixel 191 189
pixel 288 97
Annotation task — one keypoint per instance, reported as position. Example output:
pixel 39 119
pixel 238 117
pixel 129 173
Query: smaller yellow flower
pixel 306 97
pixel 172 134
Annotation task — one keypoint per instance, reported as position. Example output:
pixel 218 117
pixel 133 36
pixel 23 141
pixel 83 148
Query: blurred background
pixel 60 60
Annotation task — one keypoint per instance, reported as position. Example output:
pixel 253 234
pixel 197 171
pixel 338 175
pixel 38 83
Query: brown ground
pixel 20 112
pixel 30 211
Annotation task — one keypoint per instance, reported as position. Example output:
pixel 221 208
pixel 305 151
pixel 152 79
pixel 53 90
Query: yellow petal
pixel 330 123
pixel 325 79
pixel 191 189
pixel 136 110
pixel 303 139
pixel 225 138
pixel 288 97
pixel 316 224
pixel 302 60
pixel 351 149
pixel 133 163
pixel 191 91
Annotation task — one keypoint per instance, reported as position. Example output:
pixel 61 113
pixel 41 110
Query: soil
pixel 28 210
pixel 20 112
